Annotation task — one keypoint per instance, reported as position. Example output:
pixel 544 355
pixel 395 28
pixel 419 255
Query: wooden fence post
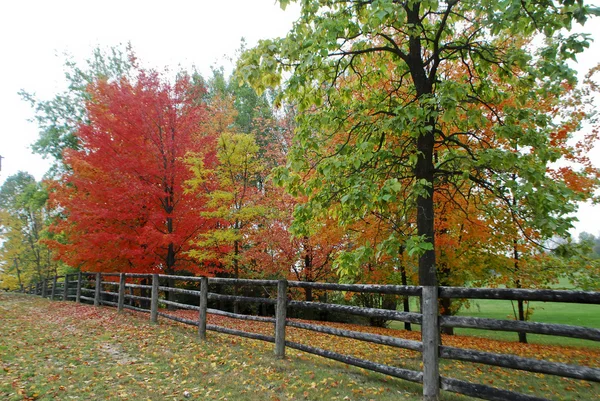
pixel 97 292
pixel 121 300
pixel 53 288
pixel 44 288
pixel 66 288
pixel 154 299
pixel 280 315
pixel 203 308
pixel 78 293
pixel 430 336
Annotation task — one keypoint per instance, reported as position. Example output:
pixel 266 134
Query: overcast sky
pixel 34 35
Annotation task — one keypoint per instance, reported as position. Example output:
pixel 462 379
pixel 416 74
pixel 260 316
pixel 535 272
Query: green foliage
pixel 232 191
pixel 24 257
pixel 251 109
pixel 580 261
pixel 399 102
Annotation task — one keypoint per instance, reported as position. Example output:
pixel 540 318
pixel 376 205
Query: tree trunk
pixel 424 169
pixel 405 299
pixel 522 334
pixel 309 313
pixel 445 303
pixel 308 295
pixel 16 263
pixel 236 270
pixel 521 311
pixel 170 269
pixel 145 292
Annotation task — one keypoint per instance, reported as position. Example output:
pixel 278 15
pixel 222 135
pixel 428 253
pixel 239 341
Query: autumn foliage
pixel 123 200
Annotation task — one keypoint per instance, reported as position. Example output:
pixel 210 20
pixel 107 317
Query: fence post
pixel 44 288
pixel 78 293
pixel 66 288
pixel 53 288
pixel 121 300
pixel 97 292
pixel 430 335
pixel 280 315
pixel 154 299
pixel 203 308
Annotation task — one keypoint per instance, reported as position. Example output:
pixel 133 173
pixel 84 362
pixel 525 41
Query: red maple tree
pixel 124 201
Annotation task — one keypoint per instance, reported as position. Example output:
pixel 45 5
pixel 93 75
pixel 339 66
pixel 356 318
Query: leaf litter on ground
pixel 62 350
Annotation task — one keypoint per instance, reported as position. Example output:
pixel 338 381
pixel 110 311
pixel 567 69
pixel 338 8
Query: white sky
pixel 35 33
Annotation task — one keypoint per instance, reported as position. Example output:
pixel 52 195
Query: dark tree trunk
pixel 522 334
pixel 424 169
pixel 144 292
pixel 170 269
pixel 520 308
pixel 446 304
pixel 324 314
pixel 405 299
pixel 236 270
pixel 308 295
pixel 308 268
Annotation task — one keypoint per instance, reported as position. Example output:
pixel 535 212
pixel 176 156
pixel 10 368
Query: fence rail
pixel 90 287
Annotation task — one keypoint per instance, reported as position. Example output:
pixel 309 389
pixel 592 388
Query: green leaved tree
pixel 233 198
pixel 398 99
pixel 24 219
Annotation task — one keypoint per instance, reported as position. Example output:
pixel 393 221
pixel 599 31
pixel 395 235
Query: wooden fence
pixel 90 287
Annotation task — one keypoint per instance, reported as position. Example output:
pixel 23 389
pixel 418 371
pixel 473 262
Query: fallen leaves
pixel 41 359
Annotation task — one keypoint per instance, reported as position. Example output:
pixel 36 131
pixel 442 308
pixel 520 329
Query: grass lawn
pixel 545 312
pixel 62 350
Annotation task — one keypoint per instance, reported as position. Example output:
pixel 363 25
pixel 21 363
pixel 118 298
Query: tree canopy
pixel 405 103
pixel 123 197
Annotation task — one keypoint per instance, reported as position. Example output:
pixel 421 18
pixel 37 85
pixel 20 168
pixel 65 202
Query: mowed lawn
pixel 545 312
pixel 61 350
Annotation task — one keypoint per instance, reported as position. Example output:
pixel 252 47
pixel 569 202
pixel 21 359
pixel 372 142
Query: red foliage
pixel 124 199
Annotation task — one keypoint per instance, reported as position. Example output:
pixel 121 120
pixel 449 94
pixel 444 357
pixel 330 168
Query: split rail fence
pixel 98 288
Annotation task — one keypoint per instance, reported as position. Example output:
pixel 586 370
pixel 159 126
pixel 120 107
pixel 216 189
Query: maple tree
pixel 123 198
pixel 276 251
pixel 425 127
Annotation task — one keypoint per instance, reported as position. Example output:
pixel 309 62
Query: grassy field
pixel 543 312
pixel 546 312
pixel 63 351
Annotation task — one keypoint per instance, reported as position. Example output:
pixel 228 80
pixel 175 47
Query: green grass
pixel 545 312
pixel 59 350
